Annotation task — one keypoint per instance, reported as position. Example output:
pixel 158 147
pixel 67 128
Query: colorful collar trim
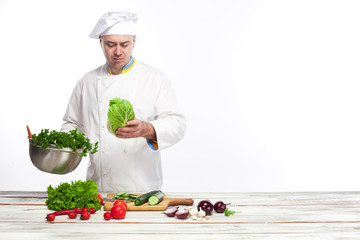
pixel 125 69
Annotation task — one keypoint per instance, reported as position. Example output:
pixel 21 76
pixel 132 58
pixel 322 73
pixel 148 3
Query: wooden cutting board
pixel 163 205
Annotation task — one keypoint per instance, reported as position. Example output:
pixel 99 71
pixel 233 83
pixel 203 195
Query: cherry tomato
pixel 100 198
pixel 78 210
pixel 84 210
pixel 50 217
pixel 85 216
pixel 92 210
pixel 107 215
pixel 118 212
pixel 120 202
pixel 72 215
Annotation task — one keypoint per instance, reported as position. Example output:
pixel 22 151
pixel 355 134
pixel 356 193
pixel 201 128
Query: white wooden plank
pixel 179 231
pixel 192 236
pixel 291 198
pixel 238 199
pixel 249 214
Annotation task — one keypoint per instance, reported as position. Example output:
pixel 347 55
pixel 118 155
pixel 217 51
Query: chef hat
pixel 115 23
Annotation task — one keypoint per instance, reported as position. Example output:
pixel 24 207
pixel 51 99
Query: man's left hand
pixel 137 128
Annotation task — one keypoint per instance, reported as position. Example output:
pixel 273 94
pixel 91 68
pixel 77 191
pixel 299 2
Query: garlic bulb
pixel 201 213
pixel 193 212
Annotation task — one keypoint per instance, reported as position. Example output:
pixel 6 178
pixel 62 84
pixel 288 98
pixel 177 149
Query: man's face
pixel 117 50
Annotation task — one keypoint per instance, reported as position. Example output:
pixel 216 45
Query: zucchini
pixel 145 197
pixel 156 198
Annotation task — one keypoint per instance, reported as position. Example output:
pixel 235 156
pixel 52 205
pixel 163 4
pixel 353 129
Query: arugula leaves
pixel 82 194
pixel 74 139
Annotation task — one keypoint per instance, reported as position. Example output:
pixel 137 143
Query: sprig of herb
pixel 229 212
pixel 74 139
pixel 82 194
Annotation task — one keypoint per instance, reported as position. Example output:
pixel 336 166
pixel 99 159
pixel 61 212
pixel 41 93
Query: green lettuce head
pixel 120 111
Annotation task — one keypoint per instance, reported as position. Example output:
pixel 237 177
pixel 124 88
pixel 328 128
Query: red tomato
pixel 50 217
pixel 84 210
pixel 100 198
pixel 118 212
pixel 107 215
pixel 72 215
pixel 85 216
pixel 120 202
pixel 92 210
pixel 78 210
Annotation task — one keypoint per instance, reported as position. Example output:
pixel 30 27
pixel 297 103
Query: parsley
pixel 82 194
pixel 229 212
pixel 74 139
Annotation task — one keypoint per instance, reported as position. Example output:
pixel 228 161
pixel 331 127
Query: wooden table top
pixel 279 215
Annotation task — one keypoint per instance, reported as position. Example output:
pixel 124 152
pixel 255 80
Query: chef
pixel 130 160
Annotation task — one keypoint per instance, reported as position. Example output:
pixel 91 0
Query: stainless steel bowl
pixel 54 160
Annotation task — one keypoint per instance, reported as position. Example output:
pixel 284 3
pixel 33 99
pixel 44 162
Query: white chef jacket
pixel 125 164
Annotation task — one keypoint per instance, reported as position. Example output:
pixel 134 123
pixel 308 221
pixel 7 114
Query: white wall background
pixel 270 88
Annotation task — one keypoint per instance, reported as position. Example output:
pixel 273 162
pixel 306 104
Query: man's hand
pixel 136 128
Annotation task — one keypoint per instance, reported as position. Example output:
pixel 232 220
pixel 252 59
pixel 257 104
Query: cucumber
pixel 156 198
pixel 145 197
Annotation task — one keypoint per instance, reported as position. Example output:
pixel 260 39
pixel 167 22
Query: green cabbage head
pixel 120 111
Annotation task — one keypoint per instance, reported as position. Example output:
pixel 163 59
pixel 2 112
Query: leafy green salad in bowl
pixel 59 152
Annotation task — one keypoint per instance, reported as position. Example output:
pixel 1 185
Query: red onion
pixel 219 207
pixel 170 211
pixel 206 206
pixel 182 214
